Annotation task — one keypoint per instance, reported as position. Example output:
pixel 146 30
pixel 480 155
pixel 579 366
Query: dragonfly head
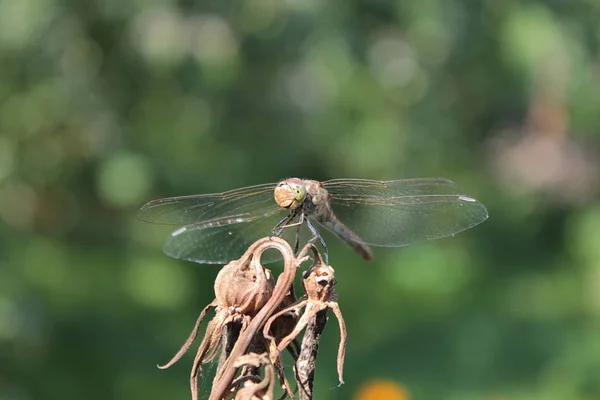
pixel 290 194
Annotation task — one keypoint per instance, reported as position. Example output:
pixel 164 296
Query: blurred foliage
pixel 106 104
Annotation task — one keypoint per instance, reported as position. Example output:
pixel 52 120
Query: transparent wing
pixel 249 202
pixel 219 243
pixel 403 212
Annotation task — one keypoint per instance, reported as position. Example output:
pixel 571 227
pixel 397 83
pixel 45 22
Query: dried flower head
pixel 242 288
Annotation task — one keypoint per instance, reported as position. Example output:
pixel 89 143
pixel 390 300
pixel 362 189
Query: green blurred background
pixel 106 104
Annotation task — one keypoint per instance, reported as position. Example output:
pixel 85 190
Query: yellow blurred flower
pixel 382 390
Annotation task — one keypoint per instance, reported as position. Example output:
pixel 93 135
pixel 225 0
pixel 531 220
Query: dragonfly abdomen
pixel 349 237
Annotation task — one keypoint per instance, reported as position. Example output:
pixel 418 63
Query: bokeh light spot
pixel 160 35
pixel 259 15
pixel 21 20
pixel 531 37
pixel 392 61
pixel 213 40
pixel 310 85
pixel 124 179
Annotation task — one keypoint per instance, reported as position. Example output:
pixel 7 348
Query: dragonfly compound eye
pixel 299 192
pixel 289 195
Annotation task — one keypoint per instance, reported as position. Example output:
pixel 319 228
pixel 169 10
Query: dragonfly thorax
pixel 316 193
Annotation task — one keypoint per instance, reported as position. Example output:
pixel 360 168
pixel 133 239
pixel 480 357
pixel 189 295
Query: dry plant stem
pixel 191 338
pixel 306 364
pixel 284 281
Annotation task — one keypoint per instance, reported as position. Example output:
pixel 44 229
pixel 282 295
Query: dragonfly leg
pixel 299 223
pixel 285 223
pixel 297 241
pixel 281 225
pixel 318 236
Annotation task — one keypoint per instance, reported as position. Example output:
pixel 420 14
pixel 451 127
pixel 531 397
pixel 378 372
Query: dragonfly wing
pixel 403 212
pixel 219 243
pixel 240 203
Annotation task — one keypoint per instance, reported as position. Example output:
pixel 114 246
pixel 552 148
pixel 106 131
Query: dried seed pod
pixel 244 286
pixel 318 282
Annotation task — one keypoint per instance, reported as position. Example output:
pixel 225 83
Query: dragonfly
pixel 217 228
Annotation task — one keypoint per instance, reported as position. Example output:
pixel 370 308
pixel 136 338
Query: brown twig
pixel 306 363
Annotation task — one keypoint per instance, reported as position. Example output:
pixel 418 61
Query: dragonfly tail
pixel 350 238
